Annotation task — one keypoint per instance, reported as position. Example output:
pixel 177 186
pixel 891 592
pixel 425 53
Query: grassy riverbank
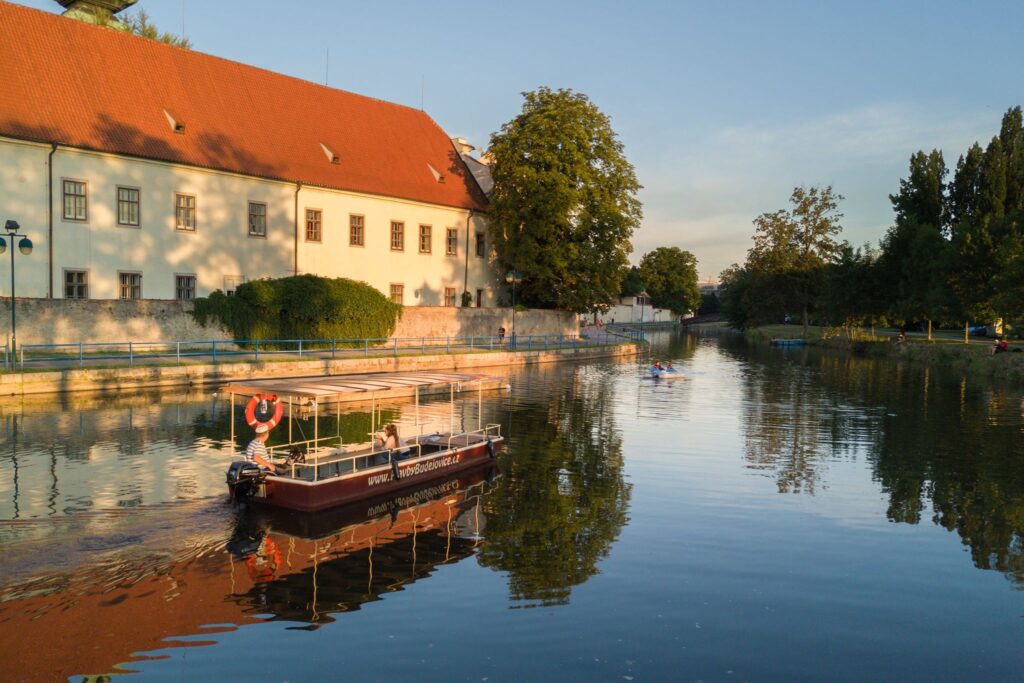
pixel 946 348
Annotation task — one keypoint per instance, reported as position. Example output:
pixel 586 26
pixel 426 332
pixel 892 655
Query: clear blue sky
pixel 723 107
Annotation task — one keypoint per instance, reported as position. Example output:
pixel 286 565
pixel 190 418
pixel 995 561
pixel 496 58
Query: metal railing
pixel 216 351
pixel 341 463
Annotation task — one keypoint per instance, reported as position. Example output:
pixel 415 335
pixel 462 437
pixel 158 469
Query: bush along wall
pixel 301 307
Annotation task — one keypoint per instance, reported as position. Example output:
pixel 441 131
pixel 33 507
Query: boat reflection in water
pixel 131 604
pixel 298 563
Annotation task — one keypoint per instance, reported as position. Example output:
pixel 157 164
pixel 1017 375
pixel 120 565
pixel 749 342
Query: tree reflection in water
pixel 563 499
pixel 937 443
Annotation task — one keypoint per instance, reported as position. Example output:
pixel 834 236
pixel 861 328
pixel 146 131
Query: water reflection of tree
pixel 794 426
pixel 960 450
pixel 933 439
pixel 563 499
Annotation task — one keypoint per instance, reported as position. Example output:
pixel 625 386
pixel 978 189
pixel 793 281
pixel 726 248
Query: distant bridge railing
pixel 218 350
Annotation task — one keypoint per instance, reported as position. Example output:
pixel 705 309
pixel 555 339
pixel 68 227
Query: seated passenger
pixel 391 441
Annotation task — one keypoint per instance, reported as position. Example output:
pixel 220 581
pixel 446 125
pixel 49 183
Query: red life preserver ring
pixel 250 410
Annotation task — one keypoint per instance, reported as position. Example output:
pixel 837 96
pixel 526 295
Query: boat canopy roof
pixel 332 385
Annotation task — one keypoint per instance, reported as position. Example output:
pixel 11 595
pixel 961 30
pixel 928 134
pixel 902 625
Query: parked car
pixel 978 330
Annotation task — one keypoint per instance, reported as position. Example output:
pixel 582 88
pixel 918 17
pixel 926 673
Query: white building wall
pixel 23 190
pixel 423 275
pixel 221 249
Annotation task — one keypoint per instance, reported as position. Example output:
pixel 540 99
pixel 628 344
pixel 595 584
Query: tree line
pixel 954 254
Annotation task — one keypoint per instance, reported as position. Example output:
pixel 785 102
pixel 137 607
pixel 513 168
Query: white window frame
pixel 180 226
pixel 451 247
pixel 177 288
pixel 121 286
pixel 398 228
pixel 249 216
pixel 399 289
pixel 319 225
pixel 85 272
pixel 138 206
pixel 64 200
pixel 354 230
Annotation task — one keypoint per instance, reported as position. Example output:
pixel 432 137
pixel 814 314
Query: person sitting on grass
pixel 1001 346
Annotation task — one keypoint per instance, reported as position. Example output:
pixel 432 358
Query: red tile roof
pixel 66 81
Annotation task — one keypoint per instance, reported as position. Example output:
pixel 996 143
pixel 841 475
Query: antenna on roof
pixel 327 65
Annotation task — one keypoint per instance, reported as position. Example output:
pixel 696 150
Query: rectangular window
pixel 355 230
pixel 185 212
pixel 449 296
pixel 397 236
pixel 257 219
pixel 76 284
pixel 479 298
pixel 184 287
pixel 452 242
pixel 425 231
pixel 481 245
pixel 231 283
pixel 397 293
pixel 314 219
pixel 128 206
pixel 76 207
pixel 131 285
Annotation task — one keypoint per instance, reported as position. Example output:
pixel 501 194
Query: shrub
pixel 301 307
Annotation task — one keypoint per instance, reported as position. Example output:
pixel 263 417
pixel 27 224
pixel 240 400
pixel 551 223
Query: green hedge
pixel 301 307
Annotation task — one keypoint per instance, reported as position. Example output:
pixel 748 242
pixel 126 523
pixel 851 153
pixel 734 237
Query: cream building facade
pixel 180 232
pixel 123 199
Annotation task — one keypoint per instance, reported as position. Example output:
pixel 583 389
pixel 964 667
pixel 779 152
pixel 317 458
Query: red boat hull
pixel 376 481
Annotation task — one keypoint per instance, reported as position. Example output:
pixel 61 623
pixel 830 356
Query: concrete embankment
pixel 114 380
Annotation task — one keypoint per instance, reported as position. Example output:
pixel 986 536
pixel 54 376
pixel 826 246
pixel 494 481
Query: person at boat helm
pixel 256 451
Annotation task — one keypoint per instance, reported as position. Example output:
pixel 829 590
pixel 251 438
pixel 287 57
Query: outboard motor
pixel 244 479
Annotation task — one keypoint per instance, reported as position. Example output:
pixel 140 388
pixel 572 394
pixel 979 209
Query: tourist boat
pixel 322 472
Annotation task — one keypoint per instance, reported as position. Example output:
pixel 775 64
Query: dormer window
pixel 176 125
pixel 331 156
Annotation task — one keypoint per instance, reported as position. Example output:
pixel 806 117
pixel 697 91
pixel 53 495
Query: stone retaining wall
pixel 111 381
pixel 70 321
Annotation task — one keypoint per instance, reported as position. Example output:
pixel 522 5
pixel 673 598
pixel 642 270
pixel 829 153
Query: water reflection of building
pixel 303 569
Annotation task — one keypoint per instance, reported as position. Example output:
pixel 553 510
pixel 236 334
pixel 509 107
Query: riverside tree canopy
pixel 564 205
pixel 670 275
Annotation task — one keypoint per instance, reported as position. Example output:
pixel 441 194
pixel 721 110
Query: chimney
pixel 462 145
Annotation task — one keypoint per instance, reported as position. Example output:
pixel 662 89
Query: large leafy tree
pixel 917 252
pixel 564 205
pixel 792 247
pixel 670 274
pixel 987 207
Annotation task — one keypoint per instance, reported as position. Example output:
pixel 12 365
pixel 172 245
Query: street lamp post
pixel 25 247
pixel 643 296
pixel 513 277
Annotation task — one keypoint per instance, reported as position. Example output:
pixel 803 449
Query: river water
pixel 776 515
